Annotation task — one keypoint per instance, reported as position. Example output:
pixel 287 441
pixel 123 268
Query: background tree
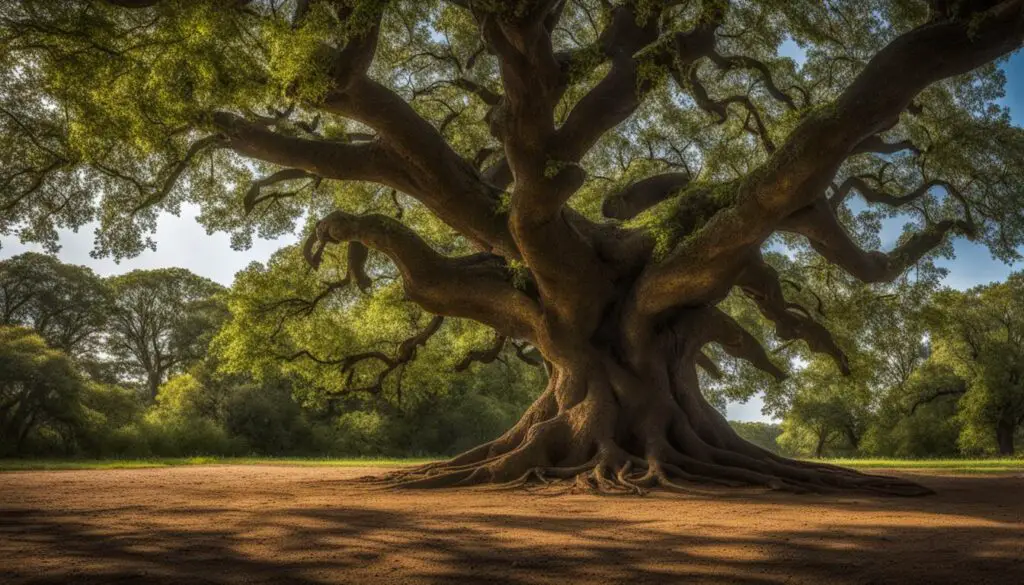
pixel 980 333
pixel 827 411
pixel 501 133
pixel 161 322
pixel 39 387
pixel 762 434
pixel 66 304
pixel 919 417
pixel 882 331
pixel 406 397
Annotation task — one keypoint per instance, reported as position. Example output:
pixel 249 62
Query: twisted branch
pixel 819 224
pixel 760 282
pixel 476 287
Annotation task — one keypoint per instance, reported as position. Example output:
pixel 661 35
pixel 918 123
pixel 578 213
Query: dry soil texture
pixel 271 524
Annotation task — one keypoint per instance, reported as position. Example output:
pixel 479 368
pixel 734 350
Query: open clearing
pixel 311 524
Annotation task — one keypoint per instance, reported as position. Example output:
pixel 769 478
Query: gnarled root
pixel 574 451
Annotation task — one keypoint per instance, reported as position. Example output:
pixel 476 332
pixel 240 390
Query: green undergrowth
pixel 1006 465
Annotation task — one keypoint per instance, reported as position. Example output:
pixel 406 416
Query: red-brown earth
pixel 286 524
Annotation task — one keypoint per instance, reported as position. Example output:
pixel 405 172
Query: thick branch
pixel 432 171
pixel 720 108
pixel 877 145
pixel 743 62
pixel 365 161
pixel 628 41
pixel 253 196
pixel 921 401
pixel 708 365
pixel 484 356
pixel 487 96
pixel 828 237
pixel 737 342
pixel 643 195
pixel 700 268
pixel 437 176
pixel 760 282
pixel 475 287
pixel 620 92
pixel 873 195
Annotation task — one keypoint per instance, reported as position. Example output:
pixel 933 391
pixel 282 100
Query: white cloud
pixel 180 241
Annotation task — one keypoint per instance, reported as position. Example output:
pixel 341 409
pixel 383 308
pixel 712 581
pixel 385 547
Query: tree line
pixel 937 373
pixel 144 364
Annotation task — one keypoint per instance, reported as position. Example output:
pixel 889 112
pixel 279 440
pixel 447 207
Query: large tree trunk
pixel 25 430
pixel 1004 438
pixel 153 385
pixel 606 426
pixel 819 448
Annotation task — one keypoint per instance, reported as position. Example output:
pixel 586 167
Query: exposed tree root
pixel 615 471
pixel 599 429
pixel 639 478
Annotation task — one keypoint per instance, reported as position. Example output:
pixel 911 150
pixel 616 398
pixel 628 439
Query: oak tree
pixel 589 177
pixel 39 387
pixel 161 322
pixel 979 335
pixel 66 304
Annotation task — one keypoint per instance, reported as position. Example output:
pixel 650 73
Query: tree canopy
pixel 978 335
pixel 39 386
pixel 161 321
pixel 587 177
pixel 65 304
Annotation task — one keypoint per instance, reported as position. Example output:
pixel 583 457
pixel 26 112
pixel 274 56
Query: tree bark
pixel 153 385
pixel 611 425
pixel 1004 438
pixel 819 448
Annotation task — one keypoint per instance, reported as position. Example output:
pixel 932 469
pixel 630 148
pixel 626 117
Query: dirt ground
pixel 271 524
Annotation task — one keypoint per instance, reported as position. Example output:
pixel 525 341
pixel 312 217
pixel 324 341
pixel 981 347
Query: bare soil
pixel 280 524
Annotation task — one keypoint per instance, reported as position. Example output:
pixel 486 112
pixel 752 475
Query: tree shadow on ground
pixel 366 542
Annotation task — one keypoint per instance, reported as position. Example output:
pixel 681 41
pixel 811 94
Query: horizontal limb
pixel 829 238
pixel 476 287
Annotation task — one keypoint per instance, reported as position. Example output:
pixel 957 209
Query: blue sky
pixel 182 242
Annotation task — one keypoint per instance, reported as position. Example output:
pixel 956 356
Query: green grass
pixel 58 464
pixel 941 465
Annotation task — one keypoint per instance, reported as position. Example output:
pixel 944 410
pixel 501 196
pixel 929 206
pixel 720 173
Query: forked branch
pixel 761 283
pixel 483 356
pixel 819 224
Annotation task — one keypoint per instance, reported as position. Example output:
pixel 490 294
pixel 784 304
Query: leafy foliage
pixel 67 305
pixel 40 390
pixel 978 333
pixel 161 321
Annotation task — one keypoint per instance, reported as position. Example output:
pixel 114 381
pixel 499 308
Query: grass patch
pixel 945 465
pixel 63 464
